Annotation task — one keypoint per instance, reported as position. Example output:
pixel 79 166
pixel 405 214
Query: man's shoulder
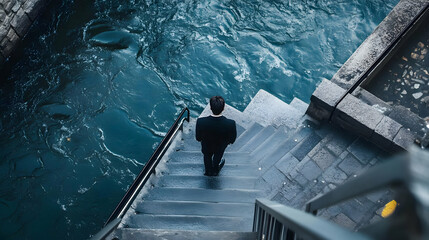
pixel 210 118
pixel 202 120
pixel 229 121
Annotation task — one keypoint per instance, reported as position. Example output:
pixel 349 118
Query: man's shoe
pixel 222 162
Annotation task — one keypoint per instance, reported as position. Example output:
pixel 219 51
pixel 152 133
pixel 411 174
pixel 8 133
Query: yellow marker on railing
pixel 389 209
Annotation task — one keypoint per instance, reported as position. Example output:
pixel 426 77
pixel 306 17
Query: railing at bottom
pixel 275 221
pixel 407 176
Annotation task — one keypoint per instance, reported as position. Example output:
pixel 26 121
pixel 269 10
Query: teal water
pixel 98 83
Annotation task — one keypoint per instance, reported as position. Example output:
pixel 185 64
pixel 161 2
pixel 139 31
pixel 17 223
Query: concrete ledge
pixel 407 118
pixel 372 100
pixel 404 139
pixel 343 102
pixel 385 132
pixel 376 44
pixel 352 114
pixel 360 118
pixel 324 99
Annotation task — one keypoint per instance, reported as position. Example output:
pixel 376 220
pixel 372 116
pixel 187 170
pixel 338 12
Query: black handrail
pixel 148 168
pixel 273 220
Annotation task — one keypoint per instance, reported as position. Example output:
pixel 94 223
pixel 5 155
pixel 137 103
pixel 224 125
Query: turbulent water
pixel 98 84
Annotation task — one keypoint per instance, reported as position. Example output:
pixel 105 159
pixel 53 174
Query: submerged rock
pixel 112 39
pixel 58 111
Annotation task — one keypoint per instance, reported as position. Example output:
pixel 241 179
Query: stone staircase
pixel 279 154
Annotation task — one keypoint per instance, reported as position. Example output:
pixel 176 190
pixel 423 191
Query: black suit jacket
pixel 215 133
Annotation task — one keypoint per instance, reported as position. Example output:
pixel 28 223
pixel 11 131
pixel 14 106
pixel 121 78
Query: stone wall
pixel 16 17
pixel 343 102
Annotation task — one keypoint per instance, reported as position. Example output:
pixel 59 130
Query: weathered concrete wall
pixel 16 17
pixel 340 102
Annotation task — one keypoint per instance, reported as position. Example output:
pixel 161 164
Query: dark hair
pixel 217 104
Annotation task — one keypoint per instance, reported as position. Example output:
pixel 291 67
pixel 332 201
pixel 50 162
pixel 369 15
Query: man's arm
pixel 233 133
pixel 198 131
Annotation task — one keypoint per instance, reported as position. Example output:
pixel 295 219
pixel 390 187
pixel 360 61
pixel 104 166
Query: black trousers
pixel 212 160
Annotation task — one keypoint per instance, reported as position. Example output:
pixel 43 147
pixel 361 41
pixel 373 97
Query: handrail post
pixel 309 210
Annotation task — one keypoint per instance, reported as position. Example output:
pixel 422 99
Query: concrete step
pixel 299 105
pixel 282 149
pixel 197 169
pixel 185 222
pixel 197 157
pixel 195 208
pixel 219 182
pixel 246 136
pixel 258 139
pixel 266 109
pixel 164 234
pixel 189 143
pixel 203 195
pixel 271 144
pixel 305 146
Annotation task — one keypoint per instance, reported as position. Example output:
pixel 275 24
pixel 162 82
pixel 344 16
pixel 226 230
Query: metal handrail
pixel 406 174
pixel 148 168
pixel 393 174
pixel 274 221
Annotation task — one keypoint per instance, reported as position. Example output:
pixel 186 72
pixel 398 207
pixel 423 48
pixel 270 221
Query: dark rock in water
pixel 112 39
pixel 58 111
pixel 97 28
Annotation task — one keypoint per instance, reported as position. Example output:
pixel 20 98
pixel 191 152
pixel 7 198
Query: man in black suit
pixel 215 132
